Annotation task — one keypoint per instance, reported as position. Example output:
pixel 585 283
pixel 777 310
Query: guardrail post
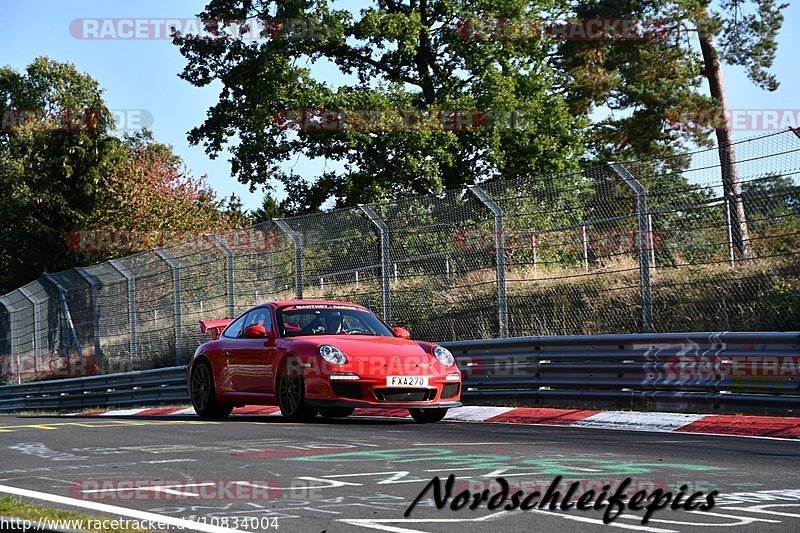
pixel 499 246
pixel 228 270
pixel 92 281
pixel 65 313
pixel 39 345
pixel 643 243
pixel 386 293
pixel 176 293
pixel 119 267
pixel 12 326
pixel 297 240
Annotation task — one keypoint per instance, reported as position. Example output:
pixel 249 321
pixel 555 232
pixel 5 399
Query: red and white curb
pixel 749 426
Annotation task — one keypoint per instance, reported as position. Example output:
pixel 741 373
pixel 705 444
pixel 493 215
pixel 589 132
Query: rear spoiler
pixel 214 326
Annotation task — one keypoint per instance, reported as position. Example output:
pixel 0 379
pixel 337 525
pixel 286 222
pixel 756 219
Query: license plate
pixel 406 381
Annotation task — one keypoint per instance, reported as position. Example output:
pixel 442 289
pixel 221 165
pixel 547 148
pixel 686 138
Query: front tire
pixel 427 416
pixel 203 396
pixel 292 393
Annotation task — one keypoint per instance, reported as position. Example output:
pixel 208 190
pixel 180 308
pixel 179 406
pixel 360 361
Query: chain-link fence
pixel 619 248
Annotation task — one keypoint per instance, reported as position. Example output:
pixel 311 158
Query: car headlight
pixel 444 356
pixel 332 354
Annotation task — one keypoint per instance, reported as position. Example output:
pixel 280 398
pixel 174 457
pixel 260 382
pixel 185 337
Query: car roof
pixel 282 303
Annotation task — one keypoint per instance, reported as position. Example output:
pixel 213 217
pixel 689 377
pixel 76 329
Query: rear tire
pixel 292 393
pixel 427 416
pixel 336 412
pixel 203 395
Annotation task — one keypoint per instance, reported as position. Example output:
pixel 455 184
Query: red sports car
pixel 319 357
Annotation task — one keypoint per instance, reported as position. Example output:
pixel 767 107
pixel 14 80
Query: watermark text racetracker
pixel 133 240
pixel 575 29
pixel 204 489
pixel 250 29
pixel 74 120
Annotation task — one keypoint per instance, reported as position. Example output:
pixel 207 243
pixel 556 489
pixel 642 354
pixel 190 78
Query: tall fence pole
pixel 297 240
pixel 131 279
pixel 386 293
pixel 39 345
pixel 65 312
pixel 228 271
pixel 643 243
pixel 176 294
pixel 729 231
pixel 92 281
pixel 499 247
pixel 12 326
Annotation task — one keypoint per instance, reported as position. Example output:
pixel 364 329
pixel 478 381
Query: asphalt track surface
pixel 361 474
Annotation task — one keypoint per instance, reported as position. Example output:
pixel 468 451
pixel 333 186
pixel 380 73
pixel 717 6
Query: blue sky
pixel 143 74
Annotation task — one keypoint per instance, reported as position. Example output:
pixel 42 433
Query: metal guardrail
pixel 755 371
pixel 163 385
pixel 672 370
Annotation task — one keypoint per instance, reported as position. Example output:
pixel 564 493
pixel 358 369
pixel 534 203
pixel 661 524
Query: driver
pixel 333 323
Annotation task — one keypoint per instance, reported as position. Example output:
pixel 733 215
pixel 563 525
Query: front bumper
pixel 371 405
pixel 374 393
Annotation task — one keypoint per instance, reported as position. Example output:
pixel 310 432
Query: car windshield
pixel 300 320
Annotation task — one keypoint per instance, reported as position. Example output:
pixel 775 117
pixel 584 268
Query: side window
pixel 259 316
pixel 234 330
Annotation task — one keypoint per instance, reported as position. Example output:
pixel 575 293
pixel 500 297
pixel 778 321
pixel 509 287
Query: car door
pixel 229 344
pixel 252 358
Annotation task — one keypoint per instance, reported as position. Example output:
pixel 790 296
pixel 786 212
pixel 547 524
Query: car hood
pixel 364 347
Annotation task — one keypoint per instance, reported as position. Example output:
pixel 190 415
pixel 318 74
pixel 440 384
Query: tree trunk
pixel 727 157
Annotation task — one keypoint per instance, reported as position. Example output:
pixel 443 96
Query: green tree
pixel 393 56
pixel 650 81
pixel 150 199
pixel 270 208
pixel 54 151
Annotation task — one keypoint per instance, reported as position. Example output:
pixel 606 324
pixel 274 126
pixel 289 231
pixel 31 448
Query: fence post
pixel 729 231
pixel 228 270
pixel 92 281
pixel 297 240
pixel 38 344
pixel 499 246
pixel 176 294
pixel 119 267
pixel 386 293
pixel 12 326
pixel 585 249
pixel 643 243
pixel 66 316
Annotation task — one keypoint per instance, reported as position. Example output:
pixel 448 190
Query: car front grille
pixel 347 390
pixel 450 390
pixel 405 395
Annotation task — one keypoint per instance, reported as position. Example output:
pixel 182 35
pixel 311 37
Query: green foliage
pixel 393 57
pixel 270 208
pixel 50 166
pixel 62 171
pixel 648 83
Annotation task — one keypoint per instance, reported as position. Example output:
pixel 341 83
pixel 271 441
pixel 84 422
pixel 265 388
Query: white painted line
pixel 123 412
pixel 740 520
pixel 637 421
pixel 637 527
pixel 475 413
pixel 114 510
pixel 763 509
pixel 426 444
pixel 189 411
pixel 381 524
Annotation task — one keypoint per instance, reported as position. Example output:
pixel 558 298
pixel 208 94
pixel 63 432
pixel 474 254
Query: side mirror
pixel 402 333
pixel 256 331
